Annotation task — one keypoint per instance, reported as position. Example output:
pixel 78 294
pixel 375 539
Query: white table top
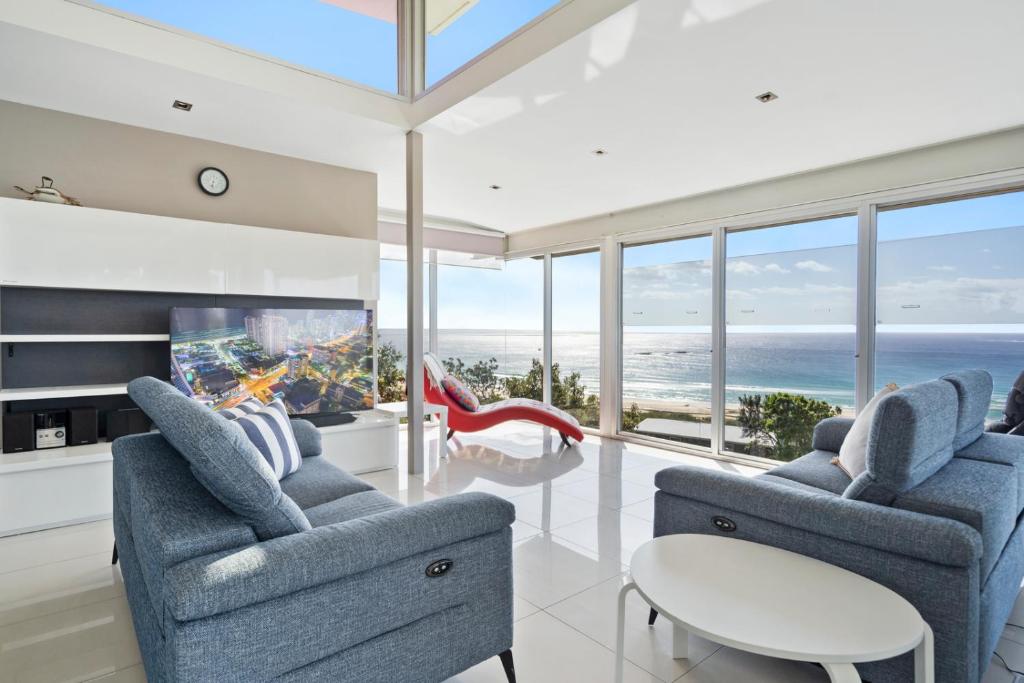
pixel 773 602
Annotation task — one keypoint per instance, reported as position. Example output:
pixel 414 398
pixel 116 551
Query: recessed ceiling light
pixel 766 97
pixel 183 106
pixel 495 187
pixel 599 152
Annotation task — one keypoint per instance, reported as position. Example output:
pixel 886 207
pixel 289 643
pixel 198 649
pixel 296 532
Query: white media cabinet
pixel 52 246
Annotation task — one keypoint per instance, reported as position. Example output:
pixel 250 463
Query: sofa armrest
pixel 830 433
pixel 933 539
pixel 308 438
pixel 225 581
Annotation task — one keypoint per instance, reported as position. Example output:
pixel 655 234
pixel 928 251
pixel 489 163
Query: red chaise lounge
pixel 462 420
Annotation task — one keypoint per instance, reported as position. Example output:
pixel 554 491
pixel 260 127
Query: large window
pixel 575 337
pixel 352 39
pixel 790 316
pixel 490 326
pixel 459 30
pixel 950 293
pixel 666 340
pixel 391 322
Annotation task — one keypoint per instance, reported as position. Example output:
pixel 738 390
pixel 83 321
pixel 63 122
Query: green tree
pixel 390 377
pixel 530 385
pixel 481 377
pixel 781 425
pixel 631 418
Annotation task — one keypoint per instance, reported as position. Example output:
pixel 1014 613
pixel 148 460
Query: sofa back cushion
pixel 974 396
pixel 911 439
pixel 221 457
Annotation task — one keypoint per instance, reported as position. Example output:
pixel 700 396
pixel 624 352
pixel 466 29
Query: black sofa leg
pixel 652 616
pixel 510 668
pixel 113 559
pixel 450 433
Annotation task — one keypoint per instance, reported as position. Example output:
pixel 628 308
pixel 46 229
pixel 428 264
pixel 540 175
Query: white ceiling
pixel 665 86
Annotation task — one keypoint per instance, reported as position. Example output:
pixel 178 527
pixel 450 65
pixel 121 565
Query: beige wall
pixel 113 166
pixel 999 151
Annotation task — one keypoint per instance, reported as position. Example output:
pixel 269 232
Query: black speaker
pixel 82 426
pixel 124 422
pixel 19 432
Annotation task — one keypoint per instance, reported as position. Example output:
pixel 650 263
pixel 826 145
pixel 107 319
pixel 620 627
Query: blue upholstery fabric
pixel 830 433
pixel 815 469
pixel 320 482
pixel 347 601
pixel 980 494
pixel 911 438
pixel 308 437
pixel 947 534
pixel 352 506
pixel 974 395
pixel 1003 449
pixel 227 580
pixel 222 458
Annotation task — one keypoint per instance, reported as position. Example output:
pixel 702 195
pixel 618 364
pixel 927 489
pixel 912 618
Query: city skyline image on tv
pixel 315 360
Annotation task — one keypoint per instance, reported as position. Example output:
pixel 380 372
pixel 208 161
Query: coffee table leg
pixel 924 658
pixel 680 642
pixel 620 635
pixel 842 673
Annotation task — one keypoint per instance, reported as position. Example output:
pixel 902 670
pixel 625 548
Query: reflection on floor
pixel 581 513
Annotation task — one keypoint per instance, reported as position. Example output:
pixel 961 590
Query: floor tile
pixel 34 592
pixel 76 644
pixel 522 608
pixel 522 531
pixel 55 545
pixel 550 508
pixel 732 666
pixel 1012 653
pixel 547 569
pixel 610 533
pixel 608 491
pixel 548 651
pixel 594 612
pixel 644 509
pixel 132 674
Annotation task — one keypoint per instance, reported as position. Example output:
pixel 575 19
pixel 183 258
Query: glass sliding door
pixel 790 318
pixel 950 291
pixel 666 340
pixel 491 320
pixel 575 336
pixel 391 322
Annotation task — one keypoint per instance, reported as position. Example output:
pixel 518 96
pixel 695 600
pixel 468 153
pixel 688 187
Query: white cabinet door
pixel 283 263
pixel 52 245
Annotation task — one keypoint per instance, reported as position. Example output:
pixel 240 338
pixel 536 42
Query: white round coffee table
pixel 773 602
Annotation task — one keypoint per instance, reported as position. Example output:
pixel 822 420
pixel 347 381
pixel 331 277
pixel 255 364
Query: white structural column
pixel 611 335
pixel 548 327
pixel 432 302
pixel 414 284
pixel 718 340
pixel 867 236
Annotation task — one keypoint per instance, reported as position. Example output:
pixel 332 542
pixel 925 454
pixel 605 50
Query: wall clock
pixel 213 181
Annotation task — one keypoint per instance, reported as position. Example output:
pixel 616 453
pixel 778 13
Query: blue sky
pixel 939 266
pixel 328 38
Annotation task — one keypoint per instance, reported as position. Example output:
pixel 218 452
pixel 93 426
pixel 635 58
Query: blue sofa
pixel 234 576
pixel 935 517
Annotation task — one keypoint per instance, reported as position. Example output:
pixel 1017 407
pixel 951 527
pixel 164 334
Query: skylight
pixel 460 30
pixel 356 40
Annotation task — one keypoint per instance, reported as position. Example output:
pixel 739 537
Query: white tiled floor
pixel 581 513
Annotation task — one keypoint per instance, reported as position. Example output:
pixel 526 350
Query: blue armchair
pixel 233 576
pixel 935 517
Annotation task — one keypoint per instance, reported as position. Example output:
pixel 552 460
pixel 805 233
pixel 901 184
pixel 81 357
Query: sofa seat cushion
pixel 320 482
pixel 814 469
pixel 1003 449
pixel 982 495
pixel 350 507
pixel 221 457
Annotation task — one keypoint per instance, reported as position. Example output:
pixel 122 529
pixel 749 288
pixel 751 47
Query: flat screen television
pixel 318 361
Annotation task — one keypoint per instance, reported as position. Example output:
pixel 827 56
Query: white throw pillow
pixel 853 454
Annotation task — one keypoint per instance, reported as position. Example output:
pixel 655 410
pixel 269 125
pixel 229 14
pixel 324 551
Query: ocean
pixel 673 367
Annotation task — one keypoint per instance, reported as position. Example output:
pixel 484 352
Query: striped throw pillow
pixel 246 407
pixel 271 432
